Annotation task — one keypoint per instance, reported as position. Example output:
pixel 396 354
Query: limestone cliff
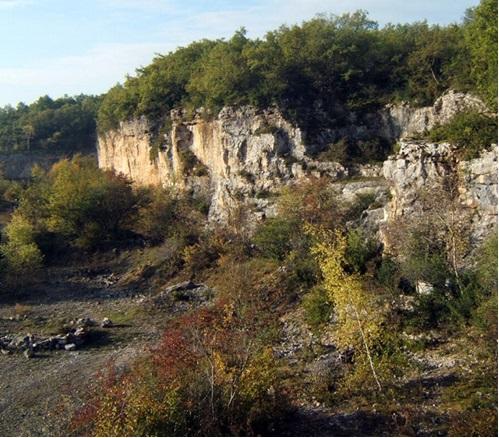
pixel 246 154
pixel 243 155
pixel 420 166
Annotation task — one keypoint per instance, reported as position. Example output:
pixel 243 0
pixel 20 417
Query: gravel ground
pixel 38 395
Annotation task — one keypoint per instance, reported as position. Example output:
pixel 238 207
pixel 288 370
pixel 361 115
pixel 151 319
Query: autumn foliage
pixel 213 373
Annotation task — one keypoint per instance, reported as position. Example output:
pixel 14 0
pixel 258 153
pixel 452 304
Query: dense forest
pixel 67 124
pixel 317 70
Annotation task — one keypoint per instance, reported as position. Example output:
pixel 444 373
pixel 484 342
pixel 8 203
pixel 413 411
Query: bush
pixel 361 203
pixel 360 249
pixel 87 205
pixel 471 132
pixel 275 236
pixel 214 372
pixel 317 307
pixel 22 259
pixel 157 214
pixel 388 274
pixel 311 200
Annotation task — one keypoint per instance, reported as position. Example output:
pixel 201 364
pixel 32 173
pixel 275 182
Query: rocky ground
pixel 46 367
pixel 121 315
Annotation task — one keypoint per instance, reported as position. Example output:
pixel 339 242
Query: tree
pixel 481 37
pixel 359 318
pixel 86 204
pixel 22 257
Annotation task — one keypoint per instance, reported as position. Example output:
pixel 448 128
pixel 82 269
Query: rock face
pixel 422 165
pixel 243 155
pixel 403 121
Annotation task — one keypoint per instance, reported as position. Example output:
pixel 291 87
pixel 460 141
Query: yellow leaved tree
pixel 359 317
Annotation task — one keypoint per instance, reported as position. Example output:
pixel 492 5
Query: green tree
pixel 22 258
pixel 481 37
pixel 85 204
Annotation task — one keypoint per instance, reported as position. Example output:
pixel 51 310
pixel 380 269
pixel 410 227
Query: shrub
pixel 361 203
pixel 388 274
pixel 157 214
pixel 87 205
pixel 311 200
pixel 275 236
pixel 317 307
pixel 471 132
pixel 360 249
pixel 22 262
pixel 359 316
pixel 22 259
pixel 213 373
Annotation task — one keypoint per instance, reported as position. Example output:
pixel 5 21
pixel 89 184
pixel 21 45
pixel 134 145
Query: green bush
pixel 388 273
pixel 275 236
pixel 360 250
pixel 471 132
pixel 361 203
pixel 157 214
pixel 87 205
pixel 22 259
pixel 317 307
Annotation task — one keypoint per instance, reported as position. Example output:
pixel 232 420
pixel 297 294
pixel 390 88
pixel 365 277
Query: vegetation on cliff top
pixel 317 70
pixel 316 73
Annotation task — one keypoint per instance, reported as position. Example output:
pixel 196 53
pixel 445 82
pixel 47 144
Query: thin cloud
pixel 12 4
pixel 156 5
pixel 93 72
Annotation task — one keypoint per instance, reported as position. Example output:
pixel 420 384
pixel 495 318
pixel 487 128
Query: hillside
pixel 293 235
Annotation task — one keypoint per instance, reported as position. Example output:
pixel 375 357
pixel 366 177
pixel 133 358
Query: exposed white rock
pixel 421 165
pixel 403 120
pixel 246 152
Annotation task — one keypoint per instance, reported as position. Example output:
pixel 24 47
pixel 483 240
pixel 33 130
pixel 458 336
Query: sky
pixel 59 47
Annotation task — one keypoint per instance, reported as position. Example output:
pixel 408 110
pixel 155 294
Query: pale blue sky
pixel 59 47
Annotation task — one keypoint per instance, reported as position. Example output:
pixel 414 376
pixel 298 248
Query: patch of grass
pixel 53 326
pixel 126 316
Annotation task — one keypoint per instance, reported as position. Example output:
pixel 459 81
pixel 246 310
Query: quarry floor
pixel 38 395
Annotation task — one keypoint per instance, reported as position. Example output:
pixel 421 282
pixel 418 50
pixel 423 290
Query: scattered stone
pixel 28 353
pixel 70 347
pixel 106 323
pixel 423 288
pixel 185 292
pixel 85 322
pixel 5 352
